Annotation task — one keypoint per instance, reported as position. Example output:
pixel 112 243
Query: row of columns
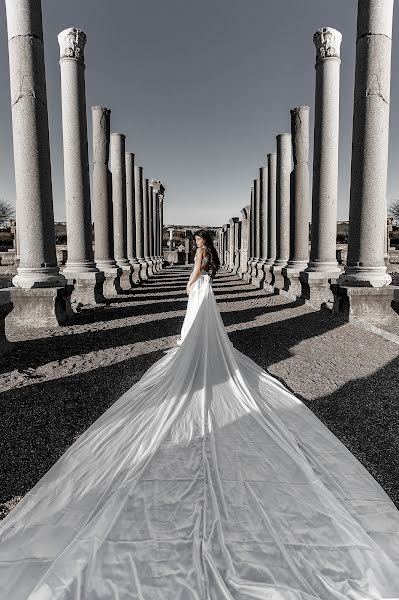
pixel 274 251
pixel 128 208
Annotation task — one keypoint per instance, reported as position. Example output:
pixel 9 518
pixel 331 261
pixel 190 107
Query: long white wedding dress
pixel 207 480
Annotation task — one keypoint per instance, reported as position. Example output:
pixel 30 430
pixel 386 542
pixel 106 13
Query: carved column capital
pixel 72 42
pixel 328 43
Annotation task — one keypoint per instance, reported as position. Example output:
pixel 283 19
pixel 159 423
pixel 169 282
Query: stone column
pixel 131 217
pixel 237 246
pixel 271 220
pixel 262 236
pixel 244 246
pixel 232 243
pixel 363 291
pixel 155 228
pixel 161 199
pixel 150 227
pixel 323 266
pixel 139 220
pixel 118 169
pixel 80 268
pixel 38 269
pixel 102 201
pixel 299 202
pixel 256 239
pixel 247 274
pixel 283 197
pixel 146 222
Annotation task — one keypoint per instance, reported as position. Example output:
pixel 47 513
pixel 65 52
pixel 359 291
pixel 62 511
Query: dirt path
pixel 54 384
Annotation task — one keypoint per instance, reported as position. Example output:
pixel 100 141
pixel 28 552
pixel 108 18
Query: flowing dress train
pixel 207 480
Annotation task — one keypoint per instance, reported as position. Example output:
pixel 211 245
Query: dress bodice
pixel 204 262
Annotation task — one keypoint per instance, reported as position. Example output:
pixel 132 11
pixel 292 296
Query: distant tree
pixel 394 209
pixel 7 212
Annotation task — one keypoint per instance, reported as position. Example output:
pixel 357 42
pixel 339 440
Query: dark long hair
pixel 214 262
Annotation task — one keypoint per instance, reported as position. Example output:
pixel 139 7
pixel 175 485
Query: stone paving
pixel 55 383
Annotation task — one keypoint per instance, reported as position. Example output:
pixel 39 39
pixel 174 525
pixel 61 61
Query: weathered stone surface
pixel 146 225
pixel 325 154
pixel 244 246
pixel 6 307
pixel 139 207
pixel 255 226
pixel 40 307
pixel 367 213
pixel 283 195
pixel 371 304
pixel 80 267
pixel 38 262
pixel 131 217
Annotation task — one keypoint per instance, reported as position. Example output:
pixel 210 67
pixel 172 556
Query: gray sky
pixel 200 88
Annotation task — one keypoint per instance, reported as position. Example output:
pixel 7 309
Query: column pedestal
pixel 40 307
pixel 269 277
pixel 260 275
pixel 370 304
pixel 136 279
pixel 292 284
pixel 112 282
pixel 143 270
pixel 277 283
pixel 87 288
pixel 6 307
pixel 316 288
pixel 126 278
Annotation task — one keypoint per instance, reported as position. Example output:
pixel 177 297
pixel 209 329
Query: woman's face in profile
pixel 199 241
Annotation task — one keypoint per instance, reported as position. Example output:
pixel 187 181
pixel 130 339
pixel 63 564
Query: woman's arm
pixel 197 270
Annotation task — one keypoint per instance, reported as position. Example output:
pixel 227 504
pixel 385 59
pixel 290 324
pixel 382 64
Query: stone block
pixel 6 307
pixel 316 288
pixel 88 288
pixel 278 279
pixel 40 307
pixel 292 285
pixel 370 304
pixel 112 283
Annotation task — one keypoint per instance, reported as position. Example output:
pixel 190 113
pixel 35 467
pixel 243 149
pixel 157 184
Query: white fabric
pixel 207 480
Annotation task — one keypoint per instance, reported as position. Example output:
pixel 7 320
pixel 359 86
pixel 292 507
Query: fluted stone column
pixel 300 202
pixel 131 217
pixel 118 169
pixel 150 227
pixel 244 240
pixel 80 268
pixel 271 220
pixel 146 224
pixel 40 297
pixel 139 220
pixel 283 198
pixel 102 202
pixel 363 291
pixel 262 232
pixel 323 267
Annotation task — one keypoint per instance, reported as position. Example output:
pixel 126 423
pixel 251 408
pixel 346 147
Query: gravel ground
pixel 55 383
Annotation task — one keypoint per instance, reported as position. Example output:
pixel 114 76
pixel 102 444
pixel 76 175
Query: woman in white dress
pixel 207 480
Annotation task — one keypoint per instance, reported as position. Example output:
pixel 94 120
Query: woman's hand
pixel 188 288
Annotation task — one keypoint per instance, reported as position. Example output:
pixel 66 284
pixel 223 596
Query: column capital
pixel 328 43
pixel 72 42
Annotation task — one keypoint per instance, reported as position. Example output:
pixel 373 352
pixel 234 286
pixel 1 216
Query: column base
pixel 278 278
pixel 88 288
pixel 112 283
pixel 252 270
pixel 40 307
pixel 150 267
pixel 125 280
pixel 268 283
pixel 365 277
pixel 6 307
pixel 136 280
pixel 260 275
pixel 370 304
pixel 28 278
pixel 316 288
pixel 292 285
pixel 143 270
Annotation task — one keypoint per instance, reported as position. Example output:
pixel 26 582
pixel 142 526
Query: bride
pixel 207 480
